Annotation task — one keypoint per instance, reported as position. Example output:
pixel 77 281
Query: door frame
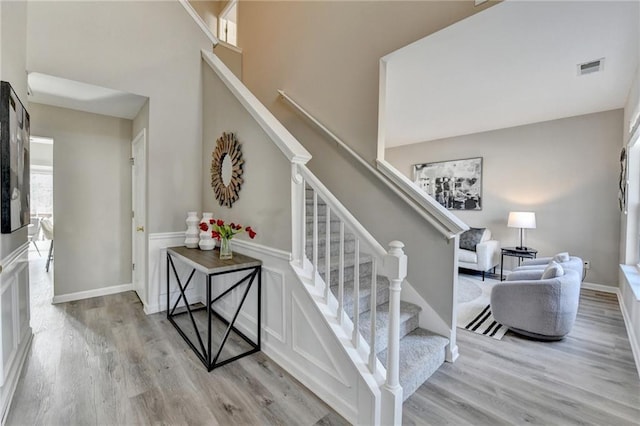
pixel 142 289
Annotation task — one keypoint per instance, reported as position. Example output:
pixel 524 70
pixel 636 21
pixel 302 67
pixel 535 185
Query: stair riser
pixel 382 296
pixel 408 322
pixel 322 227
pixel 349 246
pixel 365 274
pixel 382 335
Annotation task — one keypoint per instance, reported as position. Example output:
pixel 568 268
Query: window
pixel 228 23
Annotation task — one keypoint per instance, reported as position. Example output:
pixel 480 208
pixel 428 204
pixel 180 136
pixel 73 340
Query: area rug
pixel 474 310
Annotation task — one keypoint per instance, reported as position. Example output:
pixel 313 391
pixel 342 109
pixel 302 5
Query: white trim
pixel 320 388
pixel 227 8
pixel 447 222
pixel 601 287
pixel 80 295
pixel 165 235
pixel 41 140
pixel 635 345
pixel 35 168
pixel 191 11
pixel 11 382
pixel 260 249
pixel 8 261
pixel 230 46
pixel 283 139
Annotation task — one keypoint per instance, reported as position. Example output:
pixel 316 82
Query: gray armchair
pixel 544 309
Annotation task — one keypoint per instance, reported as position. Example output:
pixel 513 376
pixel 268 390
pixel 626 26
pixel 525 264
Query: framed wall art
pixel 455 184
pixel 14 161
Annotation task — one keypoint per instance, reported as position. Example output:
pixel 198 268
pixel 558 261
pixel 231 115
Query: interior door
pixel 139 214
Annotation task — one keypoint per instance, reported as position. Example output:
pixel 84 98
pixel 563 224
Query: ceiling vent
pixel 591 67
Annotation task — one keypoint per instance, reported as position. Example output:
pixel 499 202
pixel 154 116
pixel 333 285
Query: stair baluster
pixel 355 338
pixel 315 238
pixel 373 359
pixel 327 254
pixel 341 275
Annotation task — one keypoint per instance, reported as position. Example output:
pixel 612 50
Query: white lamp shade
pixel 525 220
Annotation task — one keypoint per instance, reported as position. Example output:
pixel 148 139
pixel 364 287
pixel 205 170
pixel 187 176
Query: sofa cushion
pixel 467 256
pixel 553 270
pixel 561 257
pixel 471 238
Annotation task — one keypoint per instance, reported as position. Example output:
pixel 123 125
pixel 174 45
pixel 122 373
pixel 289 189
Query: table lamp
pixel 522 220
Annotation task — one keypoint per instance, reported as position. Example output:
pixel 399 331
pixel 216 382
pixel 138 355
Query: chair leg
pixel 37 249
pixel 50 255
pixel 482 275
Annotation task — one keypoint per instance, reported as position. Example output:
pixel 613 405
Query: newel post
pixel 395 266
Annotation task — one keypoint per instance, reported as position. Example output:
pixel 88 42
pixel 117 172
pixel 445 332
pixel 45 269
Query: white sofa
pixel 486 255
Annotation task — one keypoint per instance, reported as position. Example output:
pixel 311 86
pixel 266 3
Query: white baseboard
pixel 105 291
pixel 601 287
pixel 11 383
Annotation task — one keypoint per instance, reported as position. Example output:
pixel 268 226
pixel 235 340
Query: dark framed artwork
pixel 14 161
pixel 456 184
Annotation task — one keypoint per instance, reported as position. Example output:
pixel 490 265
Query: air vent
pixel 591 67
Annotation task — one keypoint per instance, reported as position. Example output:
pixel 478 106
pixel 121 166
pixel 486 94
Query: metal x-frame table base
pixel 205 352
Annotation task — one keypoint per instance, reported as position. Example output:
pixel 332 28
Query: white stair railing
pixel 394 266
pixel 388 395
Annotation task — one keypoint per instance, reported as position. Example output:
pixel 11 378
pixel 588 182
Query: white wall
pixel 92 197
pixel 147 48
pixel 565 171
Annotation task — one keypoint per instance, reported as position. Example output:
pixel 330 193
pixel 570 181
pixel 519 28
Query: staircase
pixel 421 352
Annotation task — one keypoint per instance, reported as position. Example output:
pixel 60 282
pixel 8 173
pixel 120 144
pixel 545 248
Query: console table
pixel 519 252
pixel 209 263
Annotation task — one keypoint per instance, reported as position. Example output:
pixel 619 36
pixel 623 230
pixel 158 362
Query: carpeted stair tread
pixel 408 322
pixel 365 293
pixel 364 260
pixel 334 241
pixel 421 354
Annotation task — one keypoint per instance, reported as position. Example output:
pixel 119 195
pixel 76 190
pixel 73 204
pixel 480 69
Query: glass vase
pixel 225 249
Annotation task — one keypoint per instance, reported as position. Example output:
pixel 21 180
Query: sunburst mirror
pixel 226 169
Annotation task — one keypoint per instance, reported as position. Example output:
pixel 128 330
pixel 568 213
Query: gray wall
pixel 92 197
pixel 334 75
pixel 265 196
pixel 147 48
pixel 565 171
pixel 13 39
pixel 41 154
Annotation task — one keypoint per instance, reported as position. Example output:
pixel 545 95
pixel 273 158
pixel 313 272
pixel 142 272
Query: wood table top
pixel 209 262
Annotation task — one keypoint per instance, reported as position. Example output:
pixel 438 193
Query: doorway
pixel 40 229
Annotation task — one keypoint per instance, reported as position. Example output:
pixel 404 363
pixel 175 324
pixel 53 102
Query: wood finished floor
pixel 102 361
pixel 589 378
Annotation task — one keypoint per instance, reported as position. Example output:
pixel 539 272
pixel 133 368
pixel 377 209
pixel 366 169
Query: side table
pixel 209 263
pixel 519 252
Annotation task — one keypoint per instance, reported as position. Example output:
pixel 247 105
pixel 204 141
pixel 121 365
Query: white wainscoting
pixel 629 298
pixel 295 335
pixel 15 332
